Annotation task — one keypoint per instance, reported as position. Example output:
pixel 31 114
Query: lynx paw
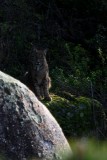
pixel 47 98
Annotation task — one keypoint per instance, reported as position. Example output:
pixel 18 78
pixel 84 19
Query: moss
pixel 78 116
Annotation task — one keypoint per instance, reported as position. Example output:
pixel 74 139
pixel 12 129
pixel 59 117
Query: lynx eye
pixel 38 63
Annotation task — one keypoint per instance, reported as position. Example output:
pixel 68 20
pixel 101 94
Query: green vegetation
pixel 89 150
pixel 75 31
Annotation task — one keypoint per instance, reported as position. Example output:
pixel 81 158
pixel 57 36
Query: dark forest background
pixel 75 33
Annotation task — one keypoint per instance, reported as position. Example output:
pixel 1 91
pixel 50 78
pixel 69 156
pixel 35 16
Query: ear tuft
pixel 35 49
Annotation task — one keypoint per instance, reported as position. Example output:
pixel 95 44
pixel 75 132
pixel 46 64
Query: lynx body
pixel 40 74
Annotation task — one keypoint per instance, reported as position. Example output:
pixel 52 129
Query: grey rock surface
pixel 27 128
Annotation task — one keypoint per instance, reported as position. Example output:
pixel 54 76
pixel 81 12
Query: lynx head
pixel 39 58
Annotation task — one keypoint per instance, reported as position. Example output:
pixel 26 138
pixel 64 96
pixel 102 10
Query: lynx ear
pixel 45 51
pixel 35 49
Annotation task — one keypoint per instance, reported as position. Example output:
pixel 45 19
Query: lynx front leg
pixel 42 91
pixel 46 90
pixel 37 91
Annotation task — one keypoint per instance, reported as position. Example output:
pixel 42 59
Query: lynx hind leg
pixel 49 82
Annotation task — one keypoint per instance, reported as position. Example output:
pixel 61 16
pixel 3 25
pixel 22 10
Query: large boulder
pixel 27 129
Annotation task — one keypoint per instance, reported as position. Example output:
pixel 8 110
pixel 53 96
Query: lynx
pixel 40 73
